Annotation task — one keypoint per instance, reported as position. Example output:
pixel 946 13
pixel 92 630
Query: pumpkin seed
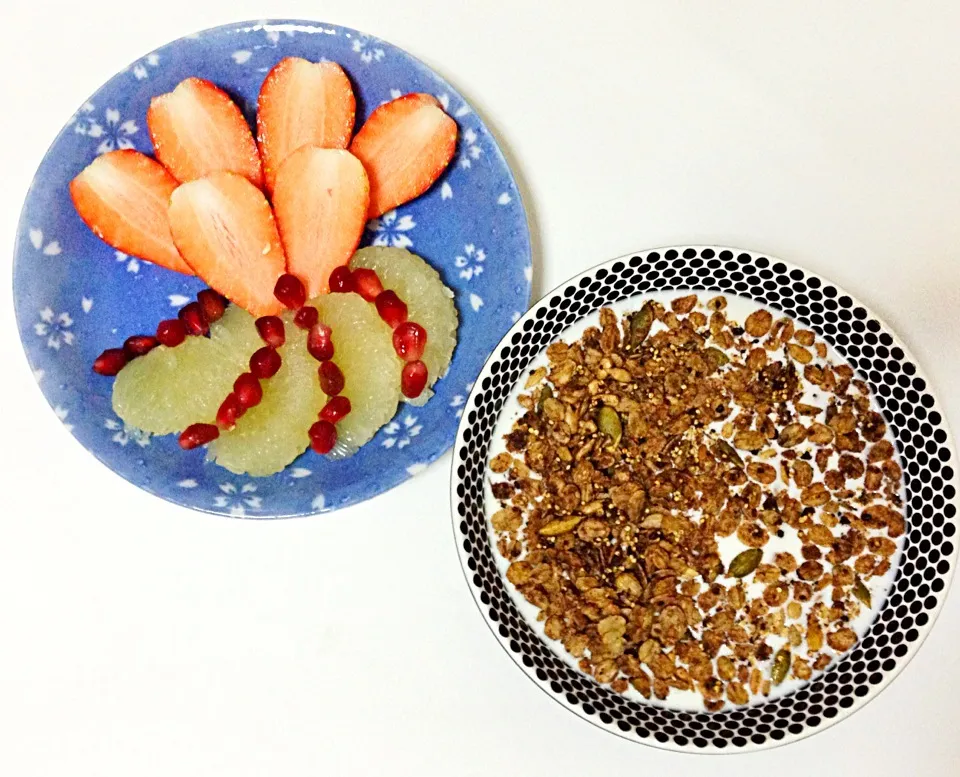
pixel 728 452
pixel 608 422
pixel 862 592
pixel 781 665
pixel 717 357
pixel 545 393
pixel 640 323
pixel 560 526
pixel 744 563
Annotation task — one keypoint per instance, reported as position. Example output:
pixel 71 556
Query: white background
pixel 138 638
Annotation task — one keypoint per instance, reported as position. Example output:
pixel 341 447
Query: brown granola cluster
pixel 642 446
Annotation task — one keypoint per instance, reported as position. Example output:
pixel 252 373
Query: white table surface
pixel 138 638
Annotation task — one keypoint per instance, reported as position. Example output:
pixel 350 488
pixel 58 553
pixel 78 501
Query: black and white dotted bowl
pixel 924 446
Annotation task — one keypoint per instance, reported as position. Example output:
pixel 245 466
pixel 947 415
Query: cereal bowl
pixel 792 536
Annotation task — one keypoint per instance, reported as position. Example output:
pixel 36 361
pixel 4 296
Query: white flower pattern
pixel 369 52
pixel 51 248
pixel 391 230
pixel 56 327
pixel 62 414
pixel 400 435
pixel 238 499
pixel 123 435
pixel 82 120
pixel 460 400
pixel 470 149
pixel 470 263
pixel 273 34
pixel 114 133
pixel 131 262
pixel 141 69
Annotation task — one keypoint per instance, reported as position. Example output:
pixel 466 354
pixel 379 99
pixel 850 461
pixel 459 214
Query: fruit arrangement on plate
pixel 301 340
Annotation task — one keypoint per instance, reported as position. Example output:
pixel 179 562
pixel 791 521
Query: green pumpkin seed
pixel 640 323
pixel 862 592
pixel 608 422
pixel 781 665
pixel 717 357
pixel 729 452
pixel 545 393
pixel 744 563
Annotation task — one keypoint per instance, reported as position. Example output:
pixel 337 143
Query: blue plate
pixel 76 296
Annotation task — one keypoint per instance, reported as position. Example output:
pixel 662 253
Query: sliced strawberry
pixel 197 130
pixel 320 202
pixel 302 103
pixel 225 231
pixel 123 197
pixel 404 145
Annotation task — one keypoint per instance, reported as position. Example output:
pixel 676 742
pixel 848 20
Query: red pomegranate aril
pixel 335 409
pixel 331 379
pixel 110 362
pixel 409 340
pixel 213 305
pixel 265 363
pixel 196 435
pixel 271 330
pixel 320 342
pixel 367 284
pixel 391 308
pixel 171 332
pixel 413 379
pixel 306 317
pixel 138 345
pixel 193 319
pixel 290 291
pixel 323 436
pixel 230 410
pixel 248 390
pixel 341 280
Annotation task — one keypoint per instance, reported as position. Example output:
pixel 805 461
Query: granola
pixel 660 444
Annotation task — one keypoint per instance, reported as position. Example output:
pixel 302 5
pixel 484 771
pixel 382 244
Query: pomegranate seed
pixel 271 330
pixel 171 332
pixel 409 340
pixel 290 291
pixel 331 379
pixel 230 411
pixel 320 342
pixel 391 308
pixel 341 280
pixel 213 304
pixel 110 362
pixel 193 319
pixel 196 435
pixel 265 363
pixel 413 379
pixel 335 409
pixel 323 436
pixel 138 345
pixel 367 284
pixel 306 317
pixel 248 390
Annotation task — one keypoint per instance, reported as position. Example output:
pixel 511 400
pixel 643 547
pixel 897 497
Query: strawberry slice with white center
pixel 224 229
pixel 302 103
pixel 404 146
pixel 320 201
pixel 123 197
pixel 197 130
